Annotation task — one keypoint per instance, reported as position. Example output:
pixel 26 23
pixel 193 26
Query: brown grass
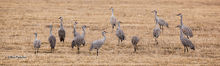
pixel 19 19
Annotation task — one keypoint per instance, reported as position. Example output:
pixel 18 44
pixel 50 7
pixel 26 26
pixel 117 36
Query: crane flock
pixel 79 39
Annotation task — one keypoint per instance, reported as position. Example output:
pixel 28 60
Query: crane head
pixel 154 11
pixel 35 33
pixel 119 22
pixel 179 14
pixel 104 32
pixel 111 8
pixel 60 18
pixel 84 26
pixel 75 22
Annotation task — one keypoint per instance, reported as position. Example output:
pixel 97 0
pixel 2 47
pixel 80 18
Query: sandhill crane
pixel 61 31
pixel 78 39
pixel 156 30
pixel 83 35
pixel 37 44
pixel 97 44
pixel 113 19
pixel 75 33
pixel 120 34
pixel 186 30
pixel 160 21
pixel 52 39
pixel 186 42
pixel 134 42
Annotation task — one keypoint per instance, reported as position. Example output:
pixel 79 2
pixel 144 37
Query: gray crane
pixel 52 39
pixel 78 39
pixel 186 42
pixel 75 33
pixel 186 30
pixel 156 30
pixel 61 31
pixel 119 33
pixel 37 43
pixel 134 42
pixel 113 19
pixel 160 21
pixel 97 44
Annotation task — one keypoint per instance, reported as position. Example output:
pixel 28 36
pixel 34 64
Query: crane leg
pixel 188 37
pixel 135 48
pixel 112 28
pixel 97 52
pixel 34 50
pixel 78 49
pixel 51 50
pixel 187 49
pixel 184 50
pixel 118 41
pixel 156 41
pixel 37 50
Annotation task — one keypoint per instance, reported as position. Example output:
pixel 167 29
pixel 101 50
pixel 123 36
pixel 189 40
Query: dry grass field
pixel 19 19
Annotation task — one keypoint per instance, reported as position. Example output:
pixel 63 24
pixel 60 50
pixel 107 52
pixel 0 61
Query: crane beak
pixel 110 8
pixel 177 26
pixel 178 14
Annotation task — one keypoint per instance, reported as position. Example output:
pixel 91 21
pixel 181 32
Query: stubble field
pixel 19 19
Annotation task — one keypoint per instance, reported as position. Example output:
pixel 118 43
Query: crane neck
pixel 61 23
pixel 181 20
pixel 50 30
pixel 112 12
pixel 156 17
pixel 74 28
pixel 35 36
pixel 118 25
pixel 84 32
pixel 104 37
pixel 181 27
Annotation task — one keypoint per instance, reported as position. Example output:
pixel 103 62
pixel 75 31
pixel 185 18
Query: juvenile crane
pixel 120 34
pixel 186 42
pixel 37 44
pixel 52 39
pixel 113 19
pixel 160 21
pixel 134 42
pixel 61 31
pixel 97 44
pixel 156 30
pixel 186 30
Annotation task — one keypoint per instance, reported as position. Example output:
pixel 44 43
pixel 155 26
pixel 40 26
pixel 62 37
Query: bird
pixel 160 21
pixel 75 33
pixel 186 30
pixel 97 44
pixel 61 31
pixel 156 30
pixel 134 42
pixel 112 19
pixel 37 43
pixel 119 33
pixel 78 39
pixel 83 35
pixel 52 39
pixel 186 42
